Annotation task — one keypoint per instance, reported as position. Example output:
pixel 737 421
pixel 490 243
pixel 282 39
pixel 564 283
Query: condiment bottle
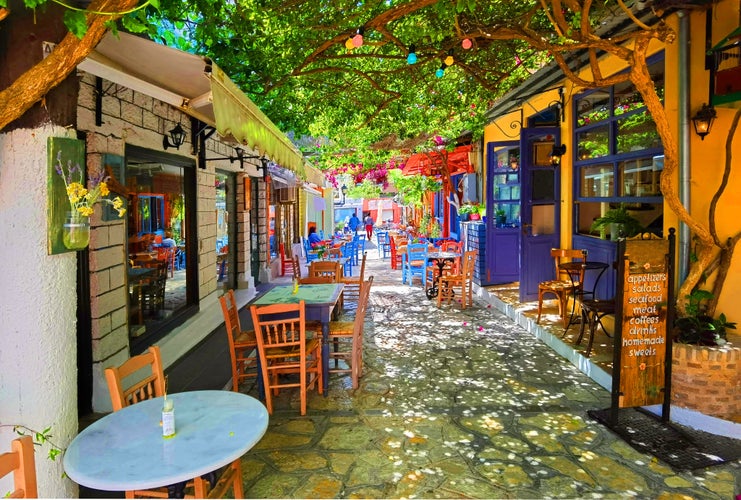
pixel 168 418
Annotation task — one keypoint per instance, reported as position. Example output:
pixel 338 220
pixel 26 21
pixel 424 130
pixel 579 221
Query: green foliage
pixel 39 439
pixel 367 189
pixel 412 187
pixel 469 208
pixel 620 216
pixel 699 328
pixel 75 22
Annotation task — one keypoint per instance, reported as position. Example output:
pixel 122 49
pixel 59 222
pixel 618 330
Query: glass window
pixel 593 143
pixel 619 160
pixel 157 243
pixel 505 180
pixel 597 181
pixel 637 132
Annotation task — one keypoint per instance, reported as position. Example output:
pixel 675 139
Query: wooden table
pixel 125 450
pixel 320 301
pixel 440 259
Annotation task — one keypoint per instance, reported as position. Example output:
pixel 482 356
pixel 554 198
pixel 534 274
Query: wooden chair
pixel 285 350
pixel 396 257
pixel 286 261
pixel 346 338
pixel 21 463
pixel 565 285
pixel 153 291
pixel 415 263
pixel 461 282
pixel 326 268
pixel 384 247
pixel 167 255
pixel 296 267
pixel 151 384
pixel 353 285
pixel 242 343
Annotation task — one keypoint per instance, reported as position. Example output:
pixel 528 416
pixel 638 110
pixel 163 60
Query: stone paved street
pixel 457 404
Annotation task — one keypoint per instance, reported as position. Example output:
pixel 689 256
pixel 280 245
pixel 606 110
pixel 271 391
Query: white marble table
pixel 125 450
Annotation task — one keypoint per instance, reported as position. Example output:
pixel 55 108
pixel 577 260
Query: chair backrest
pixel 317 280
pixel 296 266
pixel 382 237
pixel 280 326
pixel 151 385
pixel 451 246
pixel 233 329
pixel 416 253
pixel 325 268
pixel 561 255
pixel 469 263
pixel 21 463
pixel 362 267
pixel 359 321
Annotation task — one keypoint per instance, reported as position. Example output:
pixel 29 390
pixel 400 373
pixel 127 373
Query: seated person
pixel 168 242
pixel 313 237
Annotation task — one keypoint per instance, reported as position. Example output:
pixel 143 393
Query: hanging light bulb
pixel 440 71
pixel 348 44
pixel 412 57
pixel 467 43
pixel 357 40
pixel 449 60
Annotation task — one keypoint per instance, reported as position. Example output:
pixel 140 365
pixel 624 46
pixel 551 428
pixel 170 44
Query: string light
pixel 449 60
pixel 412 57
pixel 467 43
pixel 348 44
pixel 440 71
pixel 357 40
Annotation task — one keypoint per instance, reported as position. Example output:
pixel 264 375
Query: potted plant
pixel 619 222
pixel 466 210
pixel 501 217
pixel 703 357
pixel 699 328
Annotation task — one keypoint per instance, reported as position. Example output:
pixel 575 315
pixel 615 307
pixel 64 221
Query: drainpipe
pixel 684 141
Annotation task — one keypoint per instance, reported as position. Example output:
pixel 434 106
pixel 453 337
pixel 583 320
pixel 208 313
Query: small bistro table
pixel 574 268
pixel 320 301
pixel 440 259
pixel 125 450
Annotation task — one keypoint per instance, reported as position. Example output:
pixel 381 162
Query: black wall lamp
pixel 703 120
pixel 177 134
pixel 556 153
pixel 343 193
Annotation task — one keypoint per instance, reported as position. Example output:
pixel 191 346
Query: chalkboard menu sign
pixel 643 342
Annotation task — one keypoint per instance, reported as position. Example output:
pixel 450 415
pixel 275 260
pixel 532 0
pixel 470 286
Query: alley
pixel 457 404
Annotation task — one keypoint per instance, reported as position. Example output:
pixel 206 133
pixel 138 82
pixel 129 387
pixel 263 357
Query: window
pixel 505 179
pixel 160 235
pixel 619 155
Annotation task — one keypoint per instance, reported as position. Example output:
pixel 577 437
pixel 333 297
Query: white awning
pixel 199 88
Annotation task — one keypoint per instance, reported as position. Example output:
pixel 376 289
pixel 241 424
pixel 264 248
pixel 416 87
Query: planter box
pixel 708 379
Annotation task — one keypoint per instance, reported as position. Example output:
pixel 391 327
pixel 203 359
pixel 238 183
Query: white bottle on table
pixel 168 418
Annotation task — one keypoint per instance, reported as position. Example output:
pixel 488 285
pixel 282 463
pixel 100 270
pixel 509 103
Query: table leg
pixel 325 355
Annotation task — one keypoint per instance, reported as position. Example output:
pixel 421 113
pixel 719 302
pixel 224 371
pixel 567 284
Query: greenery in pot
pixel 699 328
pixel 469 209
pixel 624 223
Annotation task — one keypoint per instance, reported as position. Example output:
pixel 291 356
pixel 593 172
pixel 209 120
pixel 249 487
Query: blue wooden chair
pixel 414 263
pixel 384 244
pixel 359 240
pixel 307 250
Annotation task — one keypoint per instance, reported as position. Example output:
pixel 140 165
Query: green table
pixel 320 301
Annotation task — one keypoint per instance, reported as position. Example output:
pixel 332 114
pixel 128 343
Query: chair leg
pixel 540 305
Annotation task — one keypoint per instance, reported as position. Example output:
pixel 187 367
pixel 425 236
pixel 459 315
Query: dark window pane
pixel 597 181
pixel 637 132
pixel 593 108
pixel 593 143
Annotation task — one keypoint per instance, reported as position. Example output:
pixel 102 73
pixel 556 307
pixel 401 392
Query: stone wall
pixel 707 379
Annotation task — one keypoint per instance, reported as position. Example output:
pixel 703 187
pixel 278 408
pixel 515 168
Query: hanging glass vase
pixel 76 232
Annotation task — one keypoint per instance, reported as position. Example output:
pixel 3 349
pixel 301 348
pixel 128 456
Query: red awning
pixel 430 163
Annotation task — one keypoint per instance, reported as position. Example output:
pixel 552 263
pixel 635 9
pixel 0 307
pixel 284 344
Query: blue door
pixel 540 208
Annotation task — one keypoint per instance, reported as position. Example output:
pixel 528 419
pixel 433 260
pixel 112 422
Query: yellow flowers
pixel 82 199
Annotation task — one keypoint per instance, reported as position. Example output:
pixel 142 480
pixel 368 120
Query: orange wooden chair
pixel 353 284
pixel 462 282
pixel 21 463
pixel 326 268
pixel 285 350
pixel 296 267
pixel 565 285
pixel 242 343
pixel 346 338
pixel 150 383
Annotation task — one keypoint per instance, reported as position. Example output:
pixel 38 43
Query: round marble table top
pixel 125 450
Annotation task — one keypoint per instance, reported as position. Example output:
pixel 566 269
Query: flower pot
pixel 465 217
pixel 475 217
pixel 76 231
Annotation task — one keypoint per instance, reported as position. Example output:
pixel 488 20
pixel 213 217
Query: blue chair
pixel 307 250
pixel 414 263
pixel 359 240
pixel 384 245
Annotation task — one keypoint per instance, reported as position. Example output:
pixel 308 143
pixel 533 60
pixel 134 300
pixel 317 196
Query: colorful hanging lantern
pixel 440 71
pixel 412 57
pixel 357 40
pixel 449 60
pixel 467 43
pixel 348 44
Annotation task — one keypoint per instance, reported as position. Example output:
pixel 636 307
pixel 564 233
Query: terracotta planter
pixel 707 379
pixel 475 217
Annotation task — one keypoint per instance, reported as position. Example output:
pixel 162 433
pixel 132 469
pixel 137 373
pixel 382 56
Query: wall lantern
pixel 177 135
pixel 556 153
pixel 703 120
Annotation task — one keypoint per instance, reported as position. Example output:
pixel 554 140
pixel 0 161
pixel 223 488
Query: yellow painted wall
pixel 706 157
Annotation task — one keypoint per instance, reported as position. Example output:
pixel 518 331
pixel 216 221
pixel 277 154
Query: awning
pixel 432 162
pixel 194 85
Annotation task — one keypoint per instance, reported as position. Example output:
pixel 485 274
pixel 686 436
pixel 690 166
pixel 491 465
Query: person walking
pixel 354 223
pixel 368 226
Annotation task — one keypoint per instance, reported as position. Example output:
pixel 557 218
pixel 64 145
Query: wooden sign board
pixel 643 334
